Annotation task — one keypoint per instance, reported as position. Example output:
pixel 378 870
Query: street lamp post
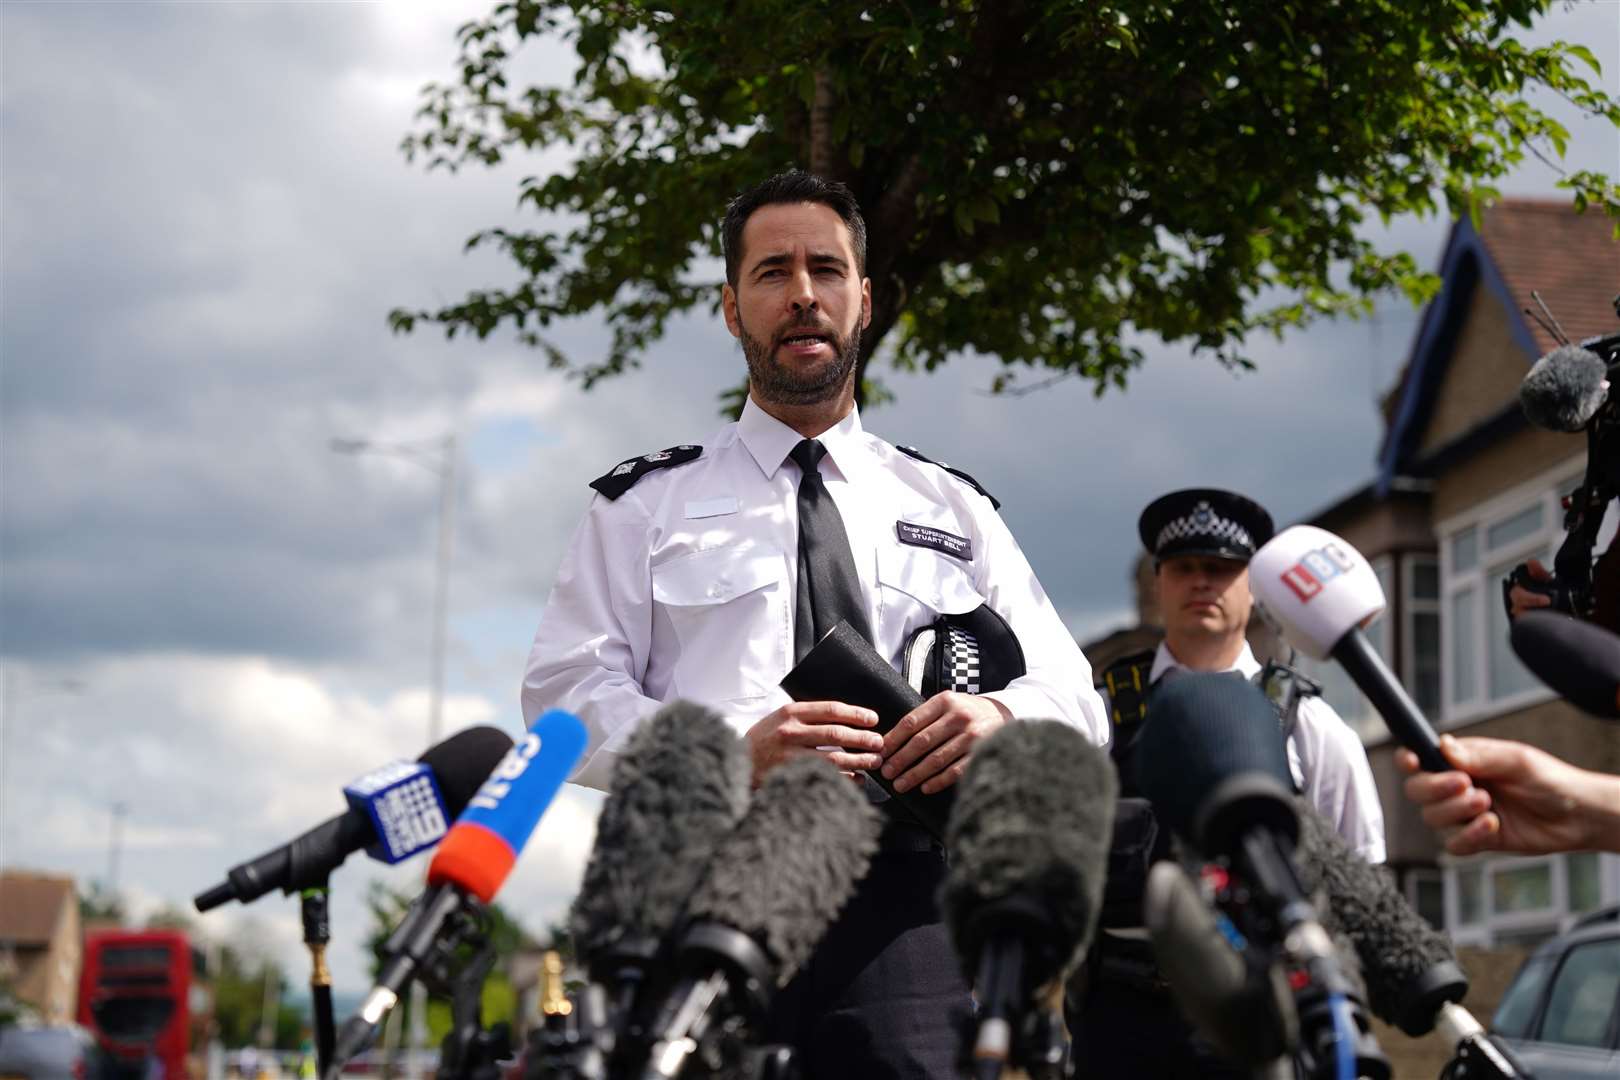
pixel 437 456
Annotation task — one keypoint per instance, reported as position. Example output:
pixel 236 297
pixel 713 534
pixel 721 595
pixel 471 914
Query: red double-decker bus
pixel 135 996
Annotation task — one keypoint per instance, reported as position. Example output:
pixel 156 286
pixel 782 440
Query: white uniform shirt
pixel 684 586
pixel 1327 760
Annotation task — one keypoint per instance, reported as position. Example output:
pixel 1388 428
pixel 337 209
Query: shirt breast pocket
pixel 728 607
pixel 918 585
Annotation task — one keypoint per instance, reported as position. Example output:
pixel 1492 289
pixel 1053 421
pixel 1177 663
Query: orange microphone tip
pixel 474 858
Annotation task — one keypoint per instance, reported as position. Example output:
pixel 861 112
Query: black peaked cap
pixel 1204 521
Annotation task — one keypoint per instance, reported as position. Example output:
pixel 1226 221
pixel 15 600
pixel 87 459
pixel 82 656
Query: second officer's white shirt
pixel 684 586
pixel 1327 759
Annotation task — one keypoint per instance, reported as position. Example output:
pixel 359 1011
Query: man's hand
pixel 1505 796
pixel 840 732
pixel 1521 599
pixel 931 744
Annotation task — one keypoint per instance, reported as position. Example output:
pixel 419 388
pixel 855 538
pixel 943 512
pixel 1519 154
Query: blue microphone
pixel 472 863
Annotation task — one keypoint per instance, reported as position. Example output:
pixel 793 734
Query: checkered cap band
pixel 1204 523
pixel 962 655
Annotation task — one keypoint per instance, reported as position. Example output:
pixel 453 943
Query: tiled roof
pixel 30 905
pixel 1522 245
pixel 1572 260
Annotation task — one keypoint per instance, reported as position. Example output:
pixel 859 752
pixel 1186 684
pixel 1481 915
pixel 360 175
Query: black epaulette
pixel 623 476
pixel 913 452
pixel 1125 685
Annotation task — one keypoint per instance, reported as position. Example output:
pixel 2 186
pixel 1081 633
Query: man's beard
pixel 778 384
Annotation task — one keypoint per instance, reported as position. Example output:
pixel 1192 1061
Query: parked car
pixel 1561 1013
pixel 57 1052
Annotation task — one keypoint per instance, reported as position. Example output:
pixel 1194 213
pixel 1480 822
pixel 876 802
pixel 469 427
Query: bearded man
pixel 706 571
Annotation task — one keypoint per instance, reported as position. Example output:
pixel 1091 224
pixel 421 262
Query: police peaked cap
pixel 1204 521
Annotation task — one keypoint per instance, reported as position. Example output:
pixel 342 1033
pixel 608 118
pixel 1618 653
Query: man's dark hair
pixel 794 186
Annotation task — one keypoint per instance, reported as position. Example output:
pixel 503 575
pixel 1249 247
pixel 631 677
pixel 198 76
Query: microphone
pixel 396 810
pixel 1028 842
pixel 772 888
pixel 1237 999
pixel 1410 969
pixel 678 788
pixel 1211 760
pixel 1322 591
pixel 1564 389
pixel 1580 660
pixel 471 864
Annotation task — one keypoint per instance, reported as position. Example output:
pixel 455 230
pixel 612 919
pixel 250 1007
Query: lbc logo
pixel 1307 577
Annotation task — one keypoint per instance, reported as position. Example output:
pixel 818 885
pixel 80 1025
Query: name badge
pixel 707 508
pixel 958 547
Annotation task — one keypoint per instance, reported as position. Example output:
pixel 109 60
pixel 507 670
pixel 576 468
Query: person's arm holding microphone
pixel 1508 796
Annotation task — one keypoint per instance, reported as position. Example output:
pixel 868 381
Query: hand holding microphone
pixel 1323 591
pixel 1508 796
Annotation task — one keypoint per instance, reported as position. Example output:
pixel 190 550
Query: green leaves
pixel 1044 183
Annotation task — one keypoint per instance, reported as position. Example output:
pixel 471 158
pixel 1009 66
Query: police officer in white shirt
pixel 684 580
pixel 1201 540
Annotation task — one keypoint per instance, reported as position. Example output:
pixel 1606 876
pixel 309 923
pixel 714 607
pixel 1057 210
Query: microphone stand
pixel 470 1051
pixel 317 933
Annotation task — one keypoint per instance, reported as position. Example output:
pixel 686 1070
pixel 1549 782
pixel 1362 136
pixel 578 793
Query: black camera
pixel 1571 389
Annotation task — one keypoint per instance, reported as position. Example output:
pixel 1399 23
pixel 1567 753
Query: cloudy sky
pixel 209 619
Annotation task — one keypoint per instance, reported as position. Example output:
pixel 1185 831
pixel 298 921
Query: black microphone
pixel 1564 389
pixel 1411 972
pixel 678 788
pixel 1214 764
pixel 1234 996
pixel 1578 659
pixel 773 887
pixel 1028 842
pixel 459 764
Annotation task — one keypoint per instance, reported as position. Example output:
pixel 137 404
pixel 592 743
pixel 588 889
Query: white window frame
pixel 1550 920
pixel 1411 607
pixel 1543 488
pixel 1556 918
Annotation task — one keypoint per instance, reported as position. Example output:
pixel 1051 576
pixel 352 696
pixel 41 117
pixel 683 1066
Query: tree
pixel 238 982
pixel 102 906
pixel 1043 182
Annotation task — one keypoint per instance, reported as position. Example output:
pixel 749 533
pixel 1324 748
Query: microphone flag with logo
pixel 458 765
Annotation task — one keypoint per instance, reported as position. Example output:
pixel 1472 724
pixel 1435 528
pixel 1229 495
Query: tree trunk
pixel 822 148
pixel 887 298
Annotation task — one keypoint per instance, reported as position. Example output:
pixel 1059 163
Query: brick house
pixel 1466 489
pixel 40 942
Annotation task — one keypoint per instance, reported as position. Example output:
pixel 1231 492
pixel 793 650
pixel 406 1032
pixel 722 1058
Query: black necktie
pixel 829 589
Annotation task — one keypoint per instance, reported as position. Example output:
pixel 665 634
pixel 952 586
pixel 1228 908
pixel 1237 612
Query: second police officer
pixel 1201 540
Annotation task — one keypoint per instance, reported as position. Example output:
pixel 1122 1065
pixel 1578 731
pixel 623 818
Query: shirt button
pixel 714 592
